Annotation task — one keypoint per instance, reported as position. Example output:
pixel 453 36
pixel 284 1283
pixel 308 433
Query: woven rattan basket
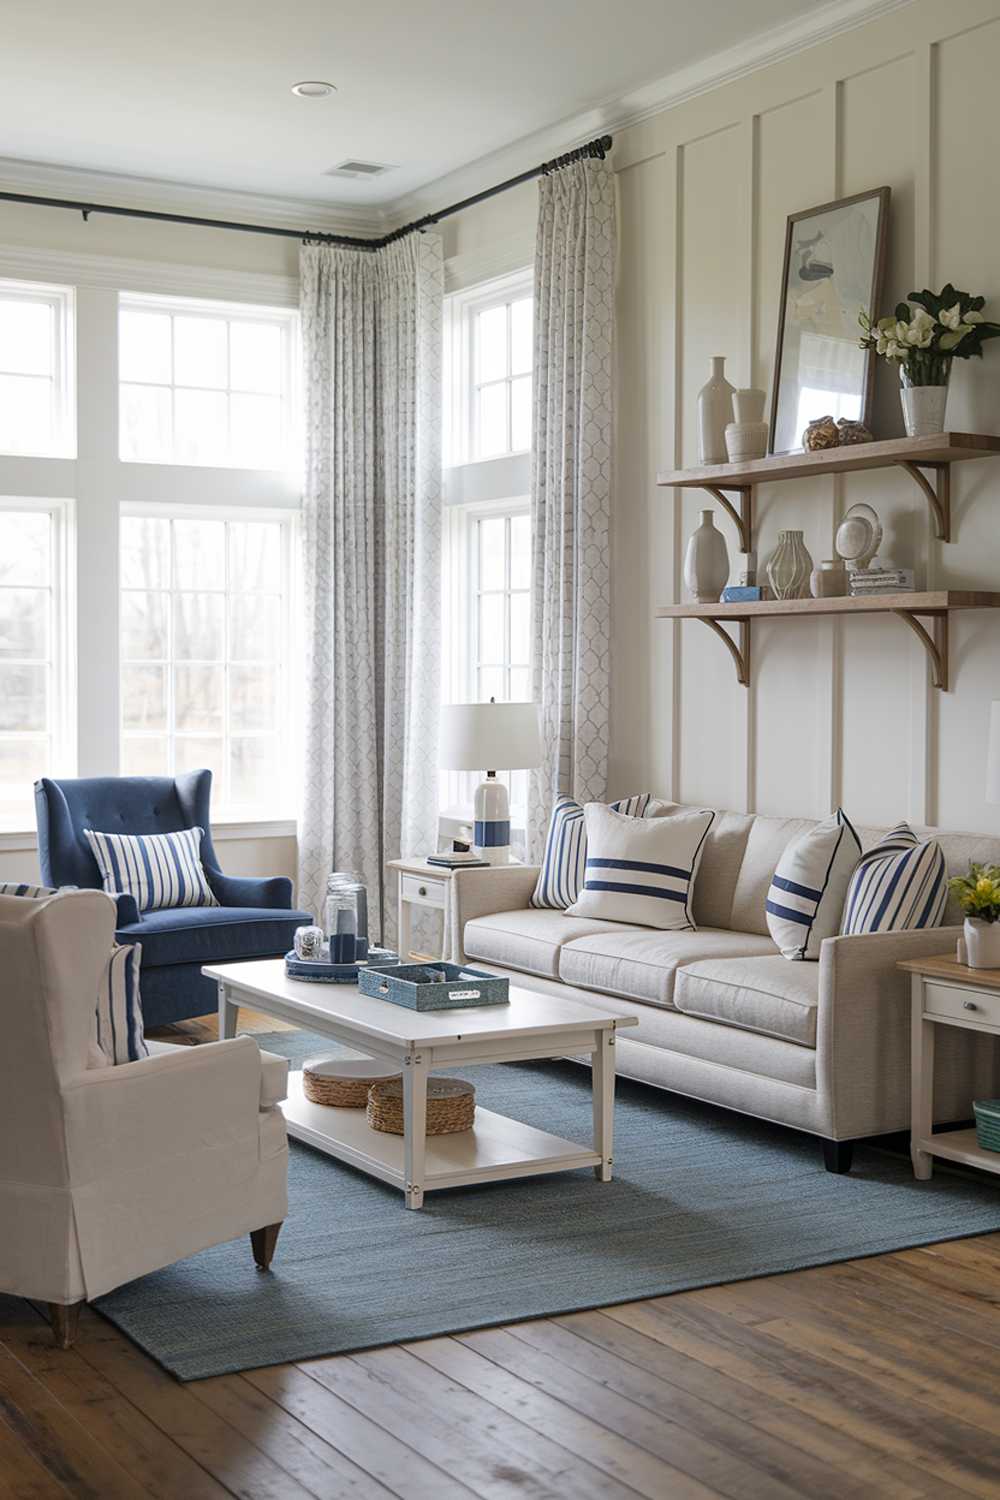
pixel 342 1082
pixel 451 1106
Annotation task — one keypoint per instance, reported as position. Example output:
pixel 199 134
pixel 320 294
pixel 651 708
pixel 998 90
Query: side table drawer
pixel 423 892
pixel 961 1004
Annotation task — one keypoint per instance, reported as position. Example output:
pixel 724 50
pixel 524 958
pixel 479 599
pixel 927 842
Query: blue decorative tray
pixel 319 971
pixel 433 986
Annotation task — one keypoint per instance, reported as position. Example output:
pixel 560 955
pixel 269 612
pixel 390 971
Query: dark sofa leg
pixel 65 1319
pixel 838 1155
pixel 262 1242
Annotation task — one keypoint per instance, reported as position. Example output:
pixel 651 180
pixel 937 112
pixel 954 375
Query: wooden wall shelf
pixel 936 607
pixel 927 460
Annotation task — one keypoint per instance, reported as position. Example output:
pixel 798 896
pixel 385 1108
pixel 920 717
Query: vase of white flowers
pixel 922 340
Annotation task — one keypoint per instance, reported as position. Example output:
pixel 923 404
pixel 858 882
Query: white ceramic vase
pixel 982 943
pixel 706 562
pixel 789 567
pixel 715 412
pixel 923 391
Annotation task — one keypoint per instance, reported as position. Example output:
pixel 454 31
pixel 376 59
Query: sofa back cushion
pixel 766 843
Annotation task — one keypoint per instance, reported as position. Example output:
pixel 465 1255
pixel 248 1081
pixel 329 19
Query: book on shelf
pixel 882 581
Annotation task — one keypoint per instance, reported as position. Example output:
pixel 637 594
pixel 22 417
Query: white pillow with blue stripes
pixel 899 885
pixel 160 870
pixel 807 891
pixel 560 877
pixel 641 870
pixel 119 1032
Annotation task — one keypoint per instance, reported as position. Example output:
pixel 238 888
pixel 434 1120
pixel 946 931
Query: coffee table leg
pixel 602 1064
pixel 229 1014
pixel 414 1127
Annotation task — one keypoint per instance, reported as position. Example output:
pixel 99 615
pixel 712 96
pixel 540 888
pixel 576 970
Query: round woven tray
pixel 342 1082
pixel 451 1106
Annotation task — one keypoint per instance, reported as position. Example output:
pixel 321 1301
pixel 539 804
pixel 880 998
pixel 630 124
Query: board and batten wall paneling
pixel 836 710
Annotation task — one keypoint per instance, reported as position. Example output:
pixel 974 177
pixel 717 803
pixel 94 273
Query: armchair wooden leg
pixel 262 1242
pixel 65 1319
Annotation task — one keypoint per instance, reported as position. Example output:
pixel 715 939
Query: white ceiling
pixel 199 93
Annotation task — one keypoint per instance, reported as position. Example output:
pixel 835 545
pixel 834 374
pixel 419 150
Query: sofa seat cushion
pixel 212 934
pixel 530 940
pixel 640 963
pixel 767 995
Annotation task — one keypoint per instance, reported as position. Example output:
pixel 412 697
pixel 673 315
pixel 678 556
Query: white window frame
pixel 461 310
pixel 284 318
pixel 62 300
pixel 289 694
pixel 61 513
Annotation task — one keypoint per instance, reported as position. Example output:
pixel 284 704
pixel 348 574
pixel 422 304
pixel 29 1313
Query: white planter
pixel 982 943
pixel 924 408
pixel 706 562
pixel 715 412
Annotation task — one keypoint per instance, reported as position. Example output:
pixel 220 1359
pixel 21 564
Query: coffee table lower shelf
pixel 496 1147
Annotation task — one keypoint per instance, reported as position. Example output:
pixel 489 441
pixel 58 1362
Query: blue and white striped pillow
pixel 564 862
pixel 32 892
pixel 898 885
pixel 159 869
pixel 806 895
pixel 642 870
pixel 120 1036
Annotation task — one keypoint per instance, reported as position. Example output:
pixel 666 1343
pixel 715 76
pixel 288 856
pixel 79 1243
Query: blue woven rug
pixel 700 1196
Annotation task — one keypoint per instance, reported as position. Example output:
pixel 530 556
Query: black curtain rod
pixel 596 149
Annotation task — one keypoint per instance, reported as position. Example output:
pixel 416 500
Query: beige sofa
pixel 822 1047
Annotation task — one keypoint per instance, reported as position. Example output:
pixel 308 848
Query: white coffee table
pixel 531 1026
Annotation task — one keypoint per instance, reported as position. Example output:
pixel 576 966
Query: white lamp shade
pixel 993 755
pixel 490 737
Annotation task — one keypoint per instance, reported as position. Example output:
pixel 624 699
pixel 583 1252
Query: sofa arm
pixel 863 1030
pixel 273 891
pixel 128 909
pixel 480 893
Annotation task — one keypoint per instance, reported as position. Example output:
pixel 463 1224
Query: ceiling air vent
pixel 351 168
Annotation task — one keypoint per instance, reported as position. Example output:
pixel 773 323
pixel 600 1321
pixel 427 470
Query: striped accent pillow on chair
pixel 898 885
pixel 806 896
pixel 119 1035
pixel 159 869
pixel 561 873
pixel 641 870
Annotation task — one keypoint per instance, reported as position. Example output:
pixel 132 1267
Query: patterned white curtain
pixel 571 484
pixel 371 326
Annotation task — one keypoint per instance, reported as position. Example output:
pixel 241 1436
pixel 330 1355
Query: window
pixel 501 569
pixel 488 370
pixel 205 653
pixel 34 660
pixel 205 383
pixel 36 370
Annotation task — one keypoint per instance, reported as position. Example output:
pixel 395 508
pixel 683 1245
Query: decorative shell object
pixel 859 536
pixel 823 433
pixel 853 432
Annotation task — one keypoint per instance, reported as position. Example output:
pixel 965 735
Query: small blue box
pixel 737 593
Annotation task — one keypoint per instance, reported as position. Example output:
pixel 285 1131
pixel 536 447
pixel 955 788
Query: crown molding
pixel 186 198
pixel 167 278
pixel 615 114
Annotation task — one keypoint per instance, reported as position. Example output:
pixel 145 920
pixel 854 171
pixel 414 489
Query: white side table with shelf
pixel 946 993
pixel 424 886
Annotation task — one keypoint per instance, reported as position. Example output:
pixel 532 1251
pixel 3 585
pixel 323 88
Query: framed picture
pixel 834 258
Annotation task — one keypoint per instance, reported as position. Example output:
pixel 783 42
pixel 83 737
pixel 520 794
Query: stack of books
pixel 868 581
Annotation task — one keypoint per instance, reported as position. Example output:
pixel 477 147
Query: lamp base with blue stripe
pixel 491 829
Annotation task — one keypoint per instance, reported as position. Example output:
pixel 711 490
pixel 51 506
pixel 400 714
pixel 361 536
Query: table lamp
pixel 993 755
pixel 505 736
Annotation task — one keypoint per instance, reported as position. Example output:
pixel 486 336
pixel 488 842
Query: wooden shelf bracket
pixel 740 653
pixel 938 494
pixel 935 645
pixel 743 518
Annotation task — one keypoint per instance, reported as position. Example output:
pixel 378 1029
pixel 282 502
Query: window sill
pixel 15 841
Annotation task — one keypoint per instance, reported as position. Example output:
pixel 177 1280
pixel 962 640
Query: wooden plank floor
pixel 875 1378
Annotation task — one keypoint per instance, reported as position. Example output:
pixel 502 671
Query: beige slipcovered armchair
pixel 109 1173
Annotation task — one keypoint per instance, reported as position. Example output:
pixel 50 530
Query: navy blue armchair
pixel 254 918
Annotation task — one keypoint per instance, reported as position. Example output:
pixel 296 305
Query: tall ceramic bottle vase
pixel 706 562
pixel 715 412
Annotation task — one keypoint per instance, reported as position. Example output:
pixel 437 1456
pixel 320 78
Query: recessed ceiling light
pixel 313 89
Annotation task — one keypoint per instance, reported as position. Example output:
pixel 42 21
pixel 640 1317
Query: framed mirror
pixel 834 259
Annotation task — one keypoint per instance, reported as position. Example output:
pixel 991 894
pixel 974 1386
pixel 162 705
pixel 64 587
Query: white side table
pixel 425 887
pixel 946 993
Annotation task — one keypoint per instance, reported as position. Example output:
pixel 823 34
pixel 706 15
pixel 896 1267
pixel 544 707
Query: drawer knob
pixel 422 891
pixel 969 1005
